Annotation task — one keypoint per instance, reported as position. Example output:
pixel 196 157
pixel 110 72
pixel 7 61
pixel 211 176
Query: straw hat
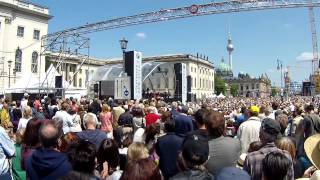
pixel 312 149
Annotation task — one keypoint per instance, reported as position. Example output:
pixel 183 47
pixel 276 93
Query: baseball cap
pixel 195 150
pixel 232 173
pixel 271 126
pixel 254 109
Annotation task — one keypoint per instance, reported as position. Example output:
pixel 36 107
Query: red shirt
pixel 151 118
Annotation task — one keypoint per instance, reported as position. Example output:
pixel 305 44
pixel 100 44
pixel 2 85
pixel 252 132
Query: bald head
pixel 50 134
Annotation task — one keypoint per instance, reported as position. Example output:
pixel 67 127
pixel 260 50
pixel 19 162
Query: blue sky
pixel 259 37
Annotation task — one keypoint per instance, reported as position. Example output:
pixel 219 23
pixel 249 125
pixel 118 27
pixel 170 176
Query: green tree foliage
pixel 234 90
pixel 273 91
pixel 219 85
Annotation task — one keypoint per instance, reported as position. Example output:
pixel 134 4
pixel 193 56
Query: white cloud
pixel 141 35
pixel 305 56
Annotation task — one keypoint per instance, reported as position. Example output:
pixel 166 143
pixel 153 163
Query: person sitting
pixel 47 162
pixel 95 136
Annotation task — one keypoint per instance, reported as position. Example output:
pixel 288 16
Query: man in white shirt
pixel 65 117
pixel 248 131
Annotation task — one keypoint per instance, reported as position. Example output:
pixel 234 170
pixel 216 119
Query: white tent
pixel 221 96
pixel 31 82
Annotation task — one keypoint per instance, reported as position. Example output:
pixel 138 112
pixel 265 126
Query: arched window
pixel 18 60
pixel 34 62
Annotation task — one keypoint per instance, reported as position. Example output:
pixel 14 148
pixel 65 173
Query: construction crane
pixel 315 58
pixel 56 42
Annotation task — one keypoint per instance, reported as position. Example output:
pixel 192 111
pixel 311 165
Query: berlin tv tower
pixel 230 48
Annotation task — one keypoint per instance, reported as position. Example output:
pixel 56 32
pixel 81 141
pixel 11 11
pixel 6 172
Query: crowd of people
pixel 222 139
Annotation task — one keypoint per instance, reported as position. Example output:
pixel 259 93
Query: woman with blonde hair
pixel 106 119
pixel 26 116
pixel 137 151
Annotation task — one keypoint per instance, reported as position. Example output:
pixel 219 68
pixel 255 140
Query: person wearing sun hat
pixel 312 149
pixel 248 131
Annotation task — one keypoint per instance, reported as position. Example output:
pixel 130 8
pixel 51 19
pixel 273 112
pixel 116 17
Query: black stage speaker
pixel 178 83
pixel 58 82
pixel 189 84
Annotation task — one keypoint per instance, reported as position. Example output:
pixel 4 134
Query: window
pixel 87 75
pixel 74 80
pixel 20 31
pixel 195 82
pixel 18 60
pixel 34 62
pixel 36 34
pixel 80 82
pixel 80 71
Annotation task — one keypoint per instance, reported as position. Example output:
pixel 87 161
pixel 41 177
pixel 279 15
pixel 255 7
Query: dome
pixel 223 67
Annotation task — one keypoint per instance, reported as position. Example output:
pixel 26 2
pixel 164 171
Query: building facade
pixel 158 71
pixel 251 87
pixel 22 24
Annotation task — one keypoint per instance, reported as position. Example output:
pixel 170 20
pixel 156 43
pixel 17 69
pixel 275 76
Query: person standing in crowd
pixel 7 151
pixel 76 121
pixel 248 131
pixel 201 131
pixel 117 110
pixel 5 116
pixel 223 151
pixel 16 115
pixel 138 118
pixel 269 132
pixel 17 171
pixel 106 120
pixel 109 152
pixel 24 101
pixel 167 148
pixel 192 160
pixel 141 169
pixel 30 140
pixel 82 158
pixel 125 121
pixel 47 162
pixel 183 122
pixel 174 109
pixel 151 117
pixel 286 143
pixel 93 135
pixel 275 107
pixel 297 117
pixel 275 166
pixel 26 116
pixel 64 117
pixel 307 127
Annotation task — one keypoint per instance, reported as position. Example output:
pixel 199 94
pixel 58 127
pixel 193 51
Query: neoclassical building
pixel 158 73
pixel 21 26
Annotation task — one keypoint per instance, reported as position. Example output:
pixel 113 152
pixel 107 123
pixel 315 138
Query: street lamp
pixel 123 45
pixel 9 65
pixel 279 67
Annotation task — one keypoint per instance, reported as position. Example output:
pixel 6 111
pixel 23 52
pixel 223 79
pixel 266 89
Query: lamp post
pixel 279 67
pixel 123 45
pixel 9 66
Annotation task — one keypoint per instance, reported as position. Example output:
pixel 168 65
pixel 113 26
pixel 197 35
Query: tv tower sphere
pixel 230 46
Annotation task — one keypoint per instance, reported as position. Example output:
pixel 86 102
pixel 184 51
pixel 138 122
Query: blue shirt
pixel 6 150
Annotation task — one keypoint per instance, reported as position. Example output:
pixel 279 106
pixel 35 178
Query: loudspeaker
pixel 96 88
pixel 178 83
pixel 58 82
pixel 189 84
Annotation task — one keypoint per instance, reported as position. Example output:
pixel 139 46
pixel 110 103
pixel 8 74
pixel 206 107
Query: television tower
pixel 230 48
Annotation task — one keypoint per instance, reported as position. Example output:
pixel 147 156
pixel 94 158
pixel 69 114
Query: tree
pixel 234 90
pixel 219 85
pixel 273 91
